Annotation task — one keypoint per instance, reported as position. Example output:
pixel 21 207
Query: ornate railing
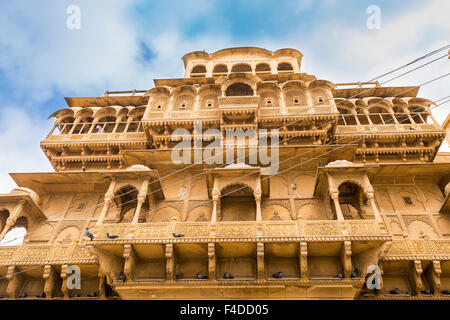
pixel 48 253
pixel 247 229
pixel 417 248
pixel 239 102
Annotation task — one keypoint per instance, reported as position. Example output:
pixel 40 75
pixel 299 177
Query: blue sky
pixel 125 44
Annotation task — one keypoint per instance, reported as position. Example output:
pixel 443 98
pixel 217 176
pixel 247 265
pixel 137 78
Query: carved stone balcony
pixel 244 104
pixel 317 230
pixel 46 254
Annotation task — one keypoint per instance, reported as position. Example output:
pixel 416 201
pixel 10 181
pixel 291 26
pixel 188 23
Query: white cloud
pixel 20 135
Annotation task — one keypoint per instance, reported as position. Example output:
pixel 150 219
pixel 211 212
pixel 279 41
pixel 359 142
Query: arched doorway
pixel 126 203
pixel 353 201
pixel 239 89
pixel 237 203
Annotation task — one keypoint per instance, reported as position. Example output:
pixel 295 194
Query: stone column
pixel 337 206
pixel 94 123
pixel 355 114
pixel 377 214
pixel 118 121
pixel 107 202
pixel 282 102
pixel 257 194
pixel 75 123
pixel 141 199
pixel 215 196
pixel 410 118
pixel 12 218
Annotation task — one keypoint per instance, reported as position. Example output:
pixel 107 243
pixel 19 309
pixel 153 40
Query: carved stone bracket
pixel 260 260
pixel 170 261
pixel 130 257
pixel 303 257
pixel 51 281
pixel 346 258
pixel 415 273
pixel 433 274
pixel 212 261
pixel 15 282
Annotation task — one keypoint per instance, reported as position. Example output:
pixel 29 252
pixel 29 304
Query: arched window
pixel 241 67
pixel 346 117
pixel 126 203
pixel 401 115
pixel 65 125
pixel 198 69
pixel 353 201
pixel 380 115
pixel 220 68
pixel 285 66
pixel 238 204
pixel 105 125
pixel 239 89
pixel 263 68
pixel 419 114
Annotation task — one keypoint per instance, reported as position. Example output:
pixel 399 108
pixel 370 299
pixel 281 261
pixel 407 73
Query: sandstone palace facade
pixel 359 184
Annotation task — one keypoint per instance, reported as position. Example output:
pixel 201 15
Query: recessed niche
pixel 323 260
pixel 191 259
pixel 282 257
pixel 237 259
pixel 151 263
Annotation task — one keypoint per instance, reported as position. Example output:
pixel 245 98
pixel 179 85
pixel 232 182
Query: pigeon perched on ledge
pixel 179 276
pixel 354 274
pixel 411 293
pixel 177 235
pixel 41 295
pixel 227 275
pixel 278 275
pixel 92 294
pixel 201 276
pixel 111 236
pixel 427 291
pixel 75 296
pixel 445 292
pixel 23 295
pixel 340 276
pixel 89 234
pixel 122 277
pixel 395 291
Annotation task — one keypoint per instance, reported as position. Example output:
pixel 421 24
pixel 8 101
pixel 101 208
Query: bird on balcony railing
pixel 92 294
pixel 89 234
pixel 177 235
pixel 395 291
pixel 227 275
pixel 179 276
pixel 122 277
pixel 201 276
pixel 427 291
pixel 111 236
pixel 277 275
